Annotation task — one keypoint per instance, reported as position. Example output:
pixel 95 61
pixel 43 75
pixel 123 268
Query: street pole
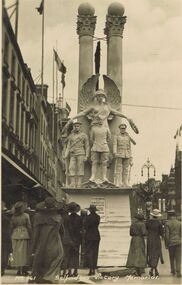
pixel 148 165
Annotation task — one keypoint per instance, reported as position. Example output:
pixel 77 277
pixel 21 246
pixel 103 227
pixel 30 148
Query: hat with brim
pixel 19 205
pixel 100 92
pixel 139 216
pixel 73 207
pixel 171 212
pixel 122 126
pixel 76 122
pixel 92 208
pixel 156 213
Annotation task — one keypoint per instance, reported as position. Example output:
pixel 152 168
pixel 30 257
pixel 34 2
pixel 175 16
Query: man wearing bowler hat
pixel 92 239
pixel 123 156
pixel 173 242
pixel 78 152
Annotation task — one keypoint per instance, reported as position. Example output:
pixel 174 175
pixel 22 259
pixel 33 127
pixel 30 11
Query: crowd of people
pixel 47 240
pixel 143 254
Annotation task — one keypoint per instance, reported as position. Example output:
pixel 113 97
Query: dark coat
pixel 47 246
pixel 74 223
pixel 136 256
pixel 92 222
pixel 92 239
pixel 6 246
pixel 67 243
pixel 154 250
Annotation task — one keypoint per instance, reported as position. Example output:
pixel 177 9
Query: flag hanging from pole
pixel 61 67
pixel 97 58
pixel 63 80
pixel 60 64
pixel 41 7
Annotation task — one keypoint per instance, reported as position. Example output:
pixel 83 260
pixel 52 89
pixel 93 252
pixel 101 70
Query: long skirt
pixel 136 255
pixel 20 252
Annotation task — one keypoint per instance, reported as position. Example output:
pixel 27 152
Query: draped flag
pixel 97 58
pixel 61 67
pixel 41 7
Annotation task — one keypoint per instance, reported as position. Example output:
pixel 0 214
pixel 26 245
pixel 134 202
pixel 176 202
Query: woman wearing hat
pixel 21 234
pixel 136 257
pixel 154 250
pixel 47 246
pixel 74 224
pixel 92 238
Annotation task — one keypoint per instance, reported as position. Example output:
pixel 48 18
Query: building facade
pixel 29 153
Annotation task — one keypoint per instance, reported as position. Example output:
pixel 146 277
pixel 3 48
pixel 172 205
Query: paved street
pixel 164 278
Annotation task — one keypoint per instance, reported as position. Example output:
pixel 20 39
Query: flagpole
pixel 42 64
pixel 16 20
pixel 56 80
pixel 53 103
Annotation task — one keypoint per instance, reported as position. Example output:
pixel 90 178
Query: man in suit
pixel 92 238
pixel 173 242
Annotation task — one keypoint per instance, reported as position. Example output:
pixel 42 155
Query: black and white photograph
pixel 91 141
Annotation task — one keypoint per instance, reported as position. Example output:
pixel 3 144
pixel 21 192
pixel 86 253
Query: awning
pixel 14 170
pixel 19 168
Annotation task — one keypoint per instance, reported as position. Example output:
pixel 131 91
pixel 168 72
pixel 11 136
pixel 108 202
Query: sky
pixel 152 66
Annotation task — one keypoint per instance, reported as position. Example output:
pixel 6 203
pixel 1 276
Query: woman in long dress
pixel 154 250
pixel 47 247
pixel 136 257
pixel 21 234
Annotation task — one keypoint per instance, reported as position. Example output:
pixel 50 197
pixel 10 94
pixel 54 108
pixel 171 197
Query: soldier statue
pixel 77 152
pixel 123 156
pixel 98 107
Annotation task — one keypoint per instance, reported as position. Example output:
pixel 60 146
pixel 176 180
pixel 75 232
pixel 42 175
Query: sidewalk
pixel 164 278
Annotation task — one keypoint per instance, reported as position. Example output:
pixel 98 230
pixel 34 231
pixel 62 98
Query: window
pixel 17 117
pixel 23 88
pixel 6 49
pixel 19 78
pixel 27 96
pixel 26 130
pixel 4 96
pixel 11 106
pixel 13 63
pixel 22 123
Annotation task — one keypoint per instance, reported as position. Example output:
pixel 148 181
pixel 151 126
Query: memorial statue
pixel 99 107
pixel 123 156
pixel 77 151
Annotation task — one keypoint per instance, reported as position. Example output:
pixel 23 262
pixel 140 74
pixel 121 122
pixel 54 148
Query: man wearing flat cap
pixel 92 238
pixel 78 152
pixel 122 155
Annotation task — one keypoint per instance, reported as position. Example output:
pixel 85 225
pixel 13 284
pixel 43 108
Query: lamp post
pixel 148 165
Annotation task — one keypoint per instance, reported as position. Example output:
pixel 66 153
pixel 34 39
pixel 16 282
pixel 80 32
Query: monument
pixel 97 156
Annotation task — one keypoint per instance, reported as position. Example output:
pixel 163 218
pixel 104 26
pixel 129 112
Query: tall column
pixel 114 31
pixel 85 29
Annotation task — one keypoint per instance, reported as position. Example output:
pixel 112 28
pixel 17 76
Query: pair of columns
pixel 114 27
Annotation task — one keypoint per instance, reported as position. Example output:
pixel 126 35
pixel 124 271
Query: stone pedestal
pixel 114 209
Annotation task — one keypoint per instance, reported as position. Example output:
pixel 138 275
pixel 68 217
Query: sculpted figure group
pixel 96 145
